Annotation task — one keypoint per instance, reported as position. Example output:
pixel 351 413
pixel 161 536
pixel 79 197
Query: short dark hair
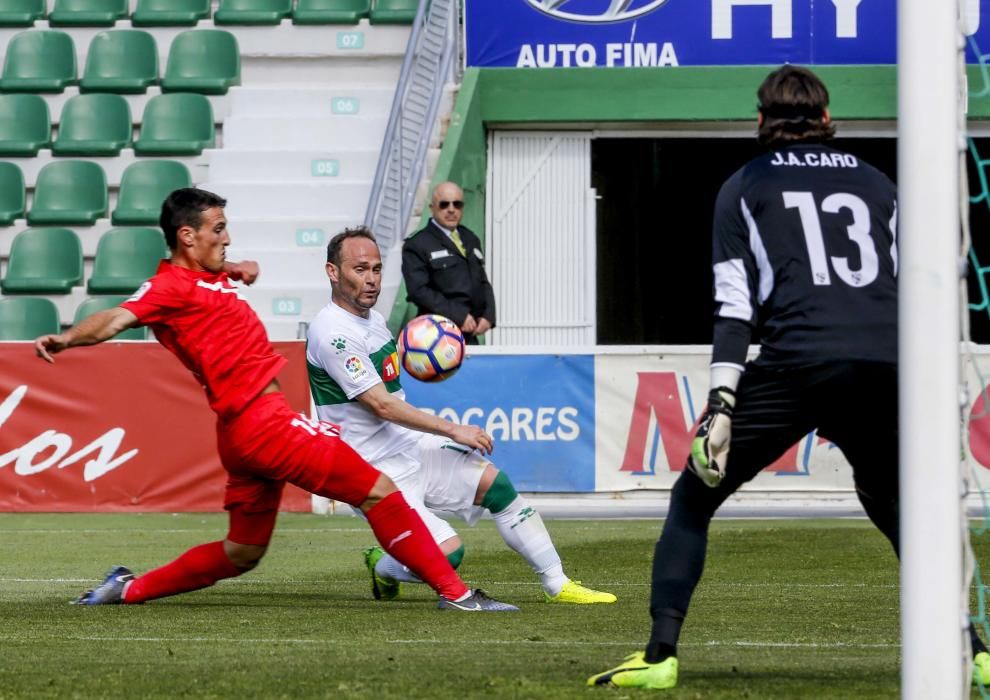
pixel 185 207
pixel 793 102
pixel 337 242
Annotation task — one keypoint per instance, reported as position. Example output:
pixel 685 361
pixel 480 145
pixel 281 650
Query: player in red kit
pixel 197 314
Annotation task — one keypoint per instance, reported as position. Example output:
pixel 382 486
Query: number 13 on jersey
pixel 858 232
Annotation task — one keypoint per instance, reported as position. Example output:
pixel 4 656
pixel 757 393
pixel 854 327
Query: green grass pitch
pixel 786 609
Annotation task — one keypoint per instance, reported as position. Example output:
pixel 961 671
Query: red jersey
pixel 200 317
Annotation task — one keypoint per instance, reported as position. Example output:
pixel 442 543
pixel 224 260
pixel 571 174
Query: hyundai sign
pixel 661 33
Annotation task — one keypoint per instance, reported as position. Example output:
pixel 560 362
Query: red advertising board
pixel 117 427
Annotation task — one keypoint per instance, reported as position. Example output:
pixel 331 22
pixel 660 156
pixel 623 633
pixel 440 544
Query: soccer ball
pixel 431 348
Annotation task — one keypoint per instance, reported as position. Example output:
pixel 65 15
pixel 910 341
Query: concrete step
pixel 289 233
pixel 304 266
pixel 345 99
pixel 247 200
pixel 277 166
pixel 291 303
pixel 298 134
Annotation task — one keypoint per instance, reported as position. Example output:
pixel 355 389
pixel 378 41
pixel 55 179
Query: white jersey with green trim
pixel 345 356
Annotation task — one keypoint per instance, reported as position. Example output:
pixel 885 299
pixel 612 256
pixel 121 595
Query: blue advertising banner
pixel 657 33
pixel 539 408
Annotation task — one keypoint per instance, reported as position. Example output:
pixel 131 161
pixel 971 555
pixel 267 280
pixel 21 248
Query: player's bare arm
pixel 94 329
pixel 379 401
pixel 245 271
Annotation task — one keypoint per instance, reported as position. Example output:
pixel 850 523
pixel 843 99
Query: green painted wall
pixel 626 96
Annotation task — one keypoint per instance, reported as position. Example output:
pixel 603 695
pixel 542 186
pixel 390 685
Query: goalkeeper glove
pixel 710 447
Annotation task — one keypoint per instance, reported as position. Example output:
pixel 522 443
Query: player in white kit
pixel 354 374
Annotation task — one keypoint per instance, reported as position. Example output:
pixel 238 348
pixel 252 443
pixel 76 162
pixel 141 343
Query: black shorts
pixel 853 404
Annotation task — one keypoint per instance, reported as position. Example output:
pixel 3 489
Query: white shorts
pixel 446 481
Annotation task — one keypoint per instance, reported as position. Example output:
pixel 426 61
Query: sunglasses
pixel 457 204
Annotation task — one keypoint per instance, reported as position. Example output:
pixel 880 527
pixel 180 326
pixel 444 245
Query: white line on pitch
pixel 459 642
pixel 603 584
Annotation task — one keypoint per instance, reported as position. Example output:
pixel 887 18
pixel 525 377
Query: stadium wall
pixel 630 99
pixel 622 97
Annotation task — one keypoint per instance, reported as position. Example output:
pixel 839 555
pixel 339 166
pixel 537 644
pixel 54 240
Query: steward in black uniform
pixel 804 257
pixel 445 278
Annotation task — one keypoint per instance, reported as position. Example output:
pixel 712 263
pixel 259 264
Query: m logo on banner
pixel 658 396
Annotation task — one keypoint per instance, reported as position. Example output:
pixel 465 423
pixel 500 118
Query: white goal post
pixel 933 603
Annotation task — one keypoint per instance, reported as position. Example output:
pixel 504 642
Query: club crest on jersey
pixel 354 368
pixel 390 367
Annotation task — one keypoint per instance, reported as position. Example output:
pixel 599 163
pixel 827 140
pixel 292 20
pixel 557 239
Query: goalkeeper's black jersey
pixel 805 260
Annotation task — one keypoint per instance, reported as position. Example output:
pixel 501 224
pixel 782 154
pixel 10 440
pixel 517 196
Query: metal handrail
pixel 406 179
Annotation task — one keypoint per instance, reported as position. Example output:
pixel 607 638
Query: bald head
pixel 447 204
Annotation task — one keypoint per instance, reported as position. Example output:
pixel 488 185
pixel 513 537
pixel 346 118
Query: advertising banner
pixel 659 33
pixel 117 427
pixel 647 410
pixel 539 408
pixel 123 427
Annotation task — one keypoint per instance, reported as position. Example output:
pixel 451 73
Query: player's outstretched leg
pixel 635 672
pixel 522 529
pixel 200 567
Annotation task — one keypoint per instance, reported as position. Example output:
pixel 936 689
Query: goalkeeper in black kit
pixel 804 255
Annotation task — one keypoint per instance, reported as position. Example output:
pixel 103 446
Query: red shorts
pixel 269 444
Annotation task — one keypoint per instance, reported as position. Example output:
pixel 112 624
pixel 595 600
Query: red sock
pixel 200 567
pixel 403 534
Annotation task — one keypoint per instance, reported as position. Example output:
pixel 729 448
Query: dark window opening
pixel 654 276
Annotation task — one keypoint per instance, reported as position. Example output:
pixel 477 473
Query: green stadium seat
pixel 21 13
pixel 170 13
pixel 252 11
pixel 179 123
pixel 202 60
pixel 330 11
pixel 87 13
pixel 69 192
pixel 25 318
pixel 44 261
pixel 394 11
pixel 120 60
pixel 125 258
pixel 97 124
pixel 25 125
pixel 12 195
pixel 42 60
pixel 102 303
pixel 144 186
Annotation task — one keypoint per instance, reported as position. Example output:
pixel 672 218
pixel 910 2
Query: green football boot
pixel 981 669
pixel 382 587
pixel 574 592
pixel 634 672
